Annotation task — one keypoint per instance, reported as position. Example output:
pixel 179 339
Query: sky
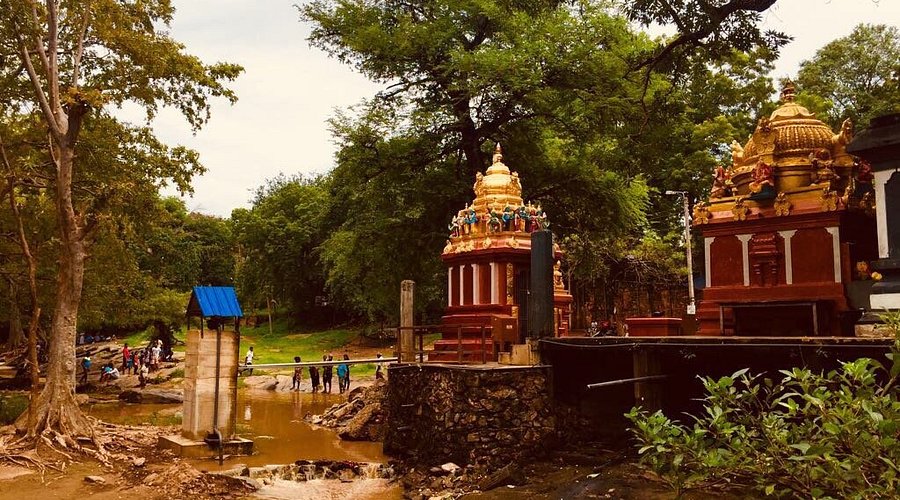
pixel 289 90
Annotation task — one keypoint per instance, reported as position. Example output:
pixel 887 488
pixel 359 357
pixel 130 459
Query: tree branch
pixel 55 129
pixel 79 49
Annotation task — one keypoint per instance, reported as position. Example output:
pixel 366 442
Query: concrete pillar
pixel 836 251
pixel 200 382
pixel 450 286
pixel 495 284
pixel 476 283
pixel 462 284
pixel 788 256
pixel 745 256
pixel 707 246
pixel 407 338
pixel 540 298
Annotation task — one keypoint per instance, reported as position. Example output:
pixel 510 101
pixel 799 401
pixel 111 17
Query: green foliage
pixel 856 76
pixel 278 239
pixel 810 435
pixel 11 406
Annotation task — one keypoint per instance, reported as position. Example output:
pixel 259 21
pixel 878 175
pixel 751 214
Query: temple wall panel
pixel 813 252
pixel 726 261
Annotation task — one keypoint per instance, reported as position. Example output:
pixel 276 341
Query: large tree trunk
pixel 56 408
pixel 15 318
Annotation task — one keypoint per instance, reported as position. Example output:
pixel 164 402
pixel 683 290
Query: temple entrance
pixel 522 282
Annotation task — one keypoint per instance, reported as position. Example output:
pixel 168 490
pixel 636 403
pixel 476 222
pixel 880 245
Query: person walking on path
pixel 298 375
pixel 136 361
pixel 314 378
pixel 248 359
pixel 85 369
pixel 326 374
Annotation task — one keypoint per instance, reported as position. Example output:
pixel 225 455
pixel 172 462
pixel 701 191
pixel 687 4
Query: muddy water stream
pixel 274 421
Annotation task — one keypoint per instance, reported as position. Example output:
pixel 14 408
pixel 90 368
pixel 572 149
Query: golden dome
pixel 497 218
pixel 498 187
pixel 785 140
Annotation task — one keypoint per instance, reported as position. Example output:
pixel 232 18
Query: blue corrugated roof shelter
pixel 214 302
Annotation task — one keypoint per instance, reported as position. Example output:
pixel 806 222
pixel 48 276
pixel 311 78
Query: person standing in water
pixel 343 373
pixel 298 375
pixel 314 378
pixel 326 374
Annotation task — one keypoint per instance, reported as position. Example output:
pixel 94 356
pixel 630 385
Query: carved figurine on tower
pixel 780 244
pixel 488 269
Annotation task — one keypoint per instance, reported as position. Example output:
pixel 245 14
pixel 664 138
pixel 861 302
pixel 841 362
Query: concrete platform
pixel 189 448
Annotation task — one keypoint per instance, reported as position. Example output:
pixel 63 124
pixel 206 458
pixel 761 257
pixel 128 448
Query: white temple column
pixel 836 251
pixel 476 283
pixel 745 256
pixel 495 285
pixel 788 256
pixel 707 244
pixel 450 286
pixel 881 178
pixel 462 285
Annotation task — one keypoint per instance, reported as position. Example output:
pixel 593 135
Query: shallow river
pixel 274 421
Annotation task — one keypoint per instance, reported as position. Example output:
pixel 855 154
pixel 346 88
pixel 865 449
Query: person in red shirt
pixel 126 359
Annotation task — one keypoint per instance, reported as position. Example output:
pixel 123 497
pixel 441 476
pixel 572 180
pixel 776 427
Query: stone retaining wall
pixel 473 414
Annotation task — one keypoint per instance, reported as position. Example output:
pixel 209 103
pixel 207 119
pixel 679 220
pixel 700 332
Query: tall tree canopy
pixel 67 61
pixel 856 76
pixel 558 83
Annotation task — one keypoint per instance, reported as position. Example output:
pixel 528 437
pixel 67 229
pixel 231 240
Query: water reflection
pixel 274 421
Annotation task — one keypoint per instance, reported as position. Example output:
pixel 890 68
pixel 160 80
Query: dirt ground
pixel 136 469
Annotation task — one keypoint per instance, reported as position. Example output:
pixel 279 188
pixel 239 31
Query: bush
pixel 810 435
pixel 11 406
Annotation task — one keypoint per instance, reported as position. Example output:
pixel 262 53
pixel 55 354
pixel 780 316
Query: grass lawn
pixel 284 343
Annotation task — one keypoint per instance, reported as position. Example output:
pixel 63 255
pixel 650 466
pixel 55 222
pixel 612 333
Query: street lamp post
pixel 692 307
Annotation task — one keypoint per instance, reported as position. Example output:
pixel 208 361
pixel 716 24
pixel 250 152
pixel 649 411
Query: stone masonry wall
pixel 486 416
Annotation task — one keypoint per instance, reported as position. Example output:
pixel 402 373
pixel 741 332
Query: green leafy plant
pixel 812 435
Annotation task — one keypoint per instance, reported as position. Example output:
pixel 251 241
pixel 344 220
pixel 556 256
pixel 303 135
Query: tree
pixel 556 83
pixel 75 58
pixel 856 76
pixel 278 239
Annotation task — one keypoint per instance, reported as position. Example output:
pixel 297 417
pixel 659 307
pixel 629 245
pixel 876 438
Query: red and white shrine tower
pixel 488 260
pixel 788 231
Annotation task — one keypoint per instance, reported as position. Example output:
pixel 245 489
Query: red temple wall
pixel 727 261
pixel 812 255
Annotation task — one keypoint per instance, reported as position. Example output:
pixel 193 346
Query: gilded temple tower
pixel 788 230
pixel 487 257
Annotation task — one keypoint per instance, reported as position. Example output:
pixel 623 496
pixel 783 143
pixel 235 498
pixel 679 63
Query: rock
pixel 356 393
pixel 261 382
pixel 150 480
pixel 283 383
pixel 139 462
pixel 504 476
pixel 152 396
pixel 450 467
pixel 95 479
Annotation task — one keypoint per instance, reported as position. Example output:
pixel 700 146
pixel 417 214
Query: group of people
pixel 139 362
pixel 321 377
pixel 326 375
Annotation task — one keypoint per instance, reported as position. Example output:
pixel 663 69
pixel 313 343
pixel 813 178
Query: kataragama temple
pixel 788 232
pixel 488 267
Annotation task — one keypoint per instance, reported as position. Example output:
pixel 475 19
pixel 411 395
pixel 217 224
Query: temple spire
pixel 498 154
pixel 788 92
